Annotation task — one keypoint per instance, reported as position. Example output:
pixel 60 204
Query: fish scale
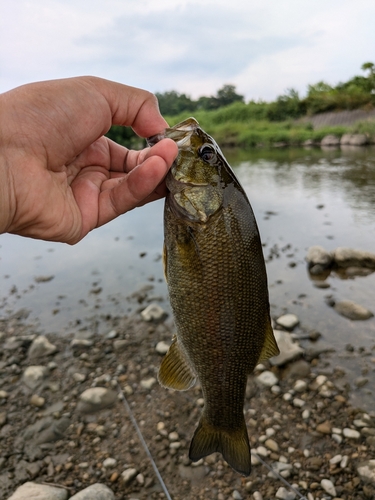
pixel 217 284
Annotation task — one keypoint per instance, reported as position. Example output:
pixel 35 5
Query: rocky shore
pixel 66 433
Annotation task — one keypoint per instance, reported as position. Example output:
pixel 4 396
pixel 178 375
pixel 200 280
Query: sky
pixel 262 47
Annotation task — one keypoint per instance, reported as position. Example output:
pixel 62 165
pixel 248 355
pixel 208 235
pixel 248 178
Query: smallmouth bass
pixel 217 282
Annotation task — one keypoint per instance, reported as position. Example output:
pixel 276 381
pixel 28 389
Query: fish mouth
pixel 180 134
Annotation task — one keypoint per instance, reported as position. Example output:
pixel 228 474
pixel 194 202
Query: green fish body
pixel 217 284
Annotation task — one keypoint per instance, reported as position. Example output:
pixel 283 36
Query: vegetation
pixel 233 122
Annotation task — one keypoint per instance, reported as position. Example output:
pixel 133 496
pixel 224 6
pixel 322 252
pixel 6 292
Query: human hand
pixel 59 176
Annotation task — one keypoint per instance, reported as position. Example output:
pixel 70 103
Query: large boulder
pixel 330 140
pixel 317 255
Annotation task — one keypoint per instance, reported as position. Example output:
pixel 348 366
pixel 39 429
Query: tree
pixel 227 95
pixel 172 103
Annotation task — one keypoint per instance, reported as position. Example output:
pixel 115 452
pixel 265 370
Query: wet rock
pixel 330 140
pixel 34 375
pixel 120 345
pixel 366 471
pixel 96 491
pixel 361 381
pixel 354 139
pixel 41 346
pixel 80 345
pixel 36 491
pixel 296 370
pixel 317 255
pixel 324 428
pixel 349 257
pixel 288 349
pixel 352 311
pixel 267 378
pixel 153 312
pixel 95 399
pixel 288 321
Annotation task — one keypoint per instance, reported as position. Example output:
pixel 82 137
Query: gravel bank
pixel 63 424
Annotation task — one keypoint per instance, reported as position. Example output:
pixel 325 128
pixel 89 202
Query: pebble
pixel 112 334
pixel 288 321
pixel 148 383
pixel 173 436
pixel 318 382
pixel 272 445
pixel 79 377
pixel 283 494
pixel 335 460
pixel 34 375
pixel 288 349
pixel 262 451
pixel 267 378
pixel 128 475
pixel 80 344
pixel 37 401
pixel 351 433
pixel 328 486
pixel 298 403
pixel 41 346
pixel 96 491
pixel 140 478
pixel 306 414
pixel 353 311
pixel 96 398
pixel 324 428
pixel 344 461
pixel 300 386
pixel 109 462
pixel 236 495
pixel 153 312
pixel 3 394
pixel 162 347
pixel 257 495
pixel 39 491
pixel 366 471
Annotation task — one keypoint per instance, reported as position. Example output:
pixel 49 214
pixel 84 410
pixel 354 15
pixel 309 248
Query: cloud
pixel 192 46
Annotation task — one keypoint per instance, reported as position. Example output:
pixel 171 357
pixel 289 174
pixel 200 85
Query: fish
pixel 217 284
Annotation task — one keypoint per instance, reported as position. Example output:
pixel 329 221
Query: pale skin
pixel 59 176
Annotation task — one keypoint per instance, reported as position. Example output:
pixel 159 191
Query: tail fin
pixel 232 444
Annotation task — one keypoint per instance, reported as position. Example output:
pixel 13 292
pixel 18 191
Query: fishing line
pixel 281 478
pixel 140 435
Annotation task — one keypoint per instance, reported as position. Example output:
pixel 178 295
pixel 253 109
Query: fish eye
pixel 207 153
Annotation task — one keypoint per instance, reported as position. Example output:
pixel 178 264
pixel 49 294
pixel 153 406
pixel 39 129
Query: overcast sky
pixel 193 46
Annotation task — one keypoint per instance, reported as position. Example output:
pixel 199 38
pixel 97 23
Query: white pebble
pixel 328 486
pixel 162 347
pixel 287 397
pixel 336 430
pixel 306 453
pixel 335 460
pixel 173 436
pixel 288 321
pixel 109 462
pixel 283 494
pixel 344 461
pixel 153 312
pixel 257 495
pixel 298 403
pixel 351 433
pixel 148 383
pixel 275 389
pixel 267 378
pixel 300 386
pixel 262 451
pixel 306 414
pixel 337 438
pixel 270 432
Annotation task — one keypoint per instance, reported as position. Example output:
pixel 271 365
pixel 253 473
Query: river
pixel 300 198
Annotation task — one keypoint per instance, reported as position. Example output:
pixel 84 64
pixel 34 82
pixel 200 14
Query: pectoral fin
pixel 175 371
pixel 270 348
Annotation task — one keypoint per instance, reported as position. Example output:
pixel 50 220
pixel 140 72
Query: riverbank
pixel 63 423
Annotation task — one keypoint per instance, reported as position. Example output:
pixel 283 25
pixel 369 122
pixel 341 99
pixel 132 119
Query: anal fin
pixel 175 371
pixel 270 348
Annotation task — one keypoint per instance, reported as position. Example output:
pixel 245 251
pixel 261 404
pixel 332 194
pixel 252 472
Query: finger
pixel 137 188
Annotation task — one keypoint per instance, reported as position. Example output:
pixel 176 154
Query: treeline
pixel 228 108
